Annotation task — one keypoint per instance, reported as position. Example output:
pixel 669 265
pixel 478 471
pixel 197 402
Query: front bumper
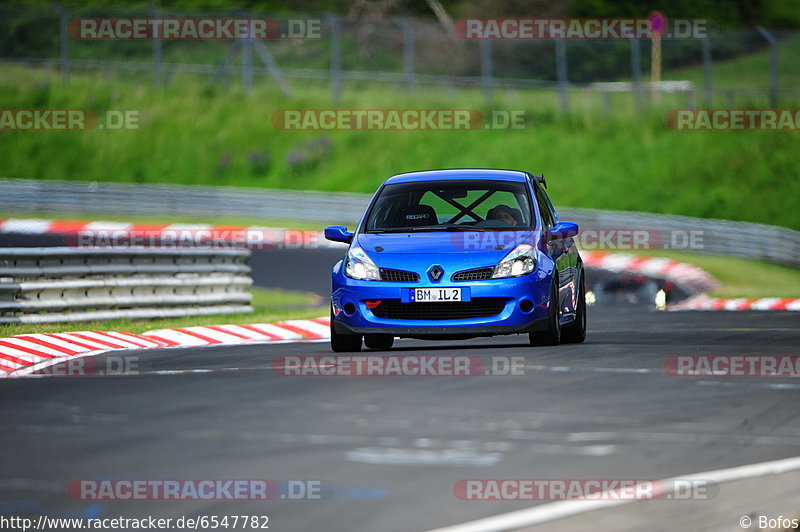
pixel 470 331
pixel 525 308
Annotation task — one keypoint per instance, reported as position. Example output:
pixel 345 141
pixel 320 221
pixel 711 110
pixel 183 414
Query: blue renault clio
pixel 455 254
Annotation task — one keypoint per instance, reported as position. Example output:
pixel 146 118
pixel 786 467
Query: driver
pixel 504 213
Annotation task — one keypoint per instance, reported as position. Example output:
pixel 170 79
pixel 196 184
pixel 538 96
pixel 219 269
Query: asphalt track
pixel 393 447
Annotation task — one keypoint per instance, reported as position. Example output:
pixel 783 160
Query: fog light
pixel 349 309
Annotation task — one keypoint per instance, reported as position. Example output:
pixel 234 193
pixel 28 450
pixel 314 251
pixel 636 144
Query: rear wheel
pixel 344 343
pixel 551 335
pixel 379 341
pixel 575 333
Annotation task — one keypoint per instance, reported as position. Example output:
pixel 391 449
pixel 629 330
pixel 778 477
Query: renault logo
pixel 435 272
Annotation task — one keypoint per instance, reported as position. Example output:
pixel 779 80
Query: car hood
pixel 492 244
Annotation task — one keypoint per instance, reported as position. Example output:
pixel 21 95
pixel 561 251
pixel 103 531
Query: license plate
pixel 426 295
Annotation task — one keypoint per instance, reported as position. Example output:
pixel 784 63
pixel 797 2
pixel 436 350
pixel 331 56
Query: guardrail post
pixel 63 38
pixel 773 66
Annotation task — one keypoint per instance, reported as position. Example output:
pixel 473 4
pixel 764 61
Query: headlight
pixel 519 262
pixel 360 266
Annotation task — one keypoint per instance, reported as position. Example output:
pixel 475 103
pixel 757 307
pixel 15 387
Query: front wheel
pixel 551 335
pixel 575 332
pixel 344 343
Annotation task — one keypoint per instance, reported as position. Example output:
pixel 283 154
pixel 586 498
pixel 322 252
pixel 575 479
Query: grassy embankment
pixel 191 133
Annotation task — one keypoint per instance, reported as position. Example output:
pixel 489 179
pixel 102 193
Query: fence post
pixel 605 102
pixel 156 51
pixel 773 66
pixel 336 58
pixel 247 56
pixel 63 38
pixel 690 99
pixel 486 68
pixel 636 73
pixel 561 73
pixel 272 67
pixel 408 50
pixel 247 65
pixel 221 73
pixel 707 70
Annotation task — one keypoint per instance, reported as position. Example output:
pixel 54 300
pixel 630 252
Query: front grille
pixel 480 307
pixel 398 276
pixel 477 274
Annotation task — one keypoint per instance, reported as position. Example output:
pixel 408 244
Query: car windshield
pixel 450 206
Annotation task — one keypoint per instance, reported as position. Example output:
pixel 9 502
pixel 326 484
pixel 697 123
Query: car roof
pixel 459 173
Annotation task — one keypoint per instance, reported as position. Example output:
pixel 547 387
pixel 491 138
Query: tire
pixel 344 343
pixel 575 333
pixel 379 341
pixel 552 335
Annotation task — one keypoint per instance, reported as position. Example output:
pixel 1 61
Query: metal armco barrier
pixel 719 237
pixel 82 197
pixel 743 240
pixel 41 285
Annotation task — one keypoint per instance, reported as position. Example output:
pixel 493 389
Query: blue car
pixel 455 254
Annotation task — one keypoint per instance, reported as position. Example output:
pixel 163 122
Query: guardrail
pixel 42 285
pixel 208 201
pixel 719 237
pixel 744 240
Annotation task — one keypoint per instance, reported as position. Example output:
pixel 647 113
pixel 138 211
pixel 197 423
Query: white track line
pixel 559 510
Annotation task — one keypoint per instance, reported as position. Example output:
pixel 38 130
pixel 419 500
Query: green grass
pixel 269 305
pixel 195 134
pixel 739 277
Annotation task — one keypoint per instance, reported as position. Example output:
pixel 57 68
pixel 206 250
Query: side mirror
pixel 565 229
pixel 338 233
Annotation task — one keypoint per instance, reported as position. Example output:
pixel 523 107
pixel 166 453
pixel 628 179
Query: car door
pixel 563 252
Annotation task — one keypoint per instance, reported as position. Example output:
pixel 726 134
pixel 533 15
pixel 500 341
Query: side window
pixel 544 208
pixel 550 206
